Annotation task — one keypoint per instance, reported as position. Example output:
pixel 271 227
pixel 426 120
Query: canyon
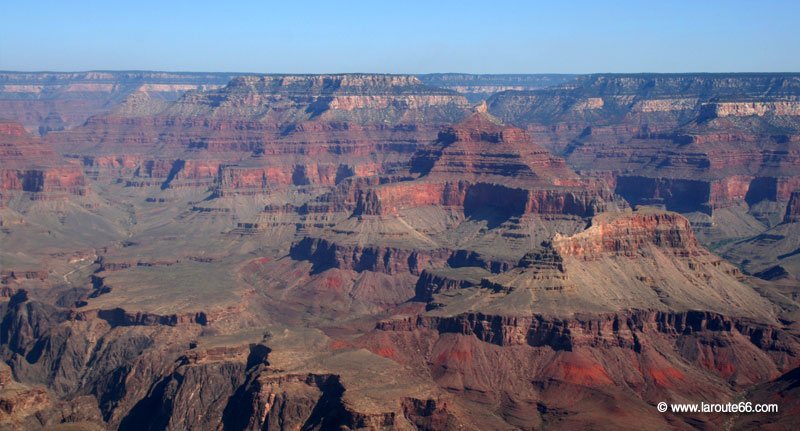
pixel 397 252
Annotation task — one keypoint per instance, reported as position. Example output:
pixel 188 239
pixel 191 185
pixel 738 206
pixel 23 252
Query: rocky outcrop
pixel 243 179
pixel 544 268
pixel 793 209
pixel 115 365
pixel 469 259
pixel 701 195
pixel 432 282
pixel 613 329
pixel 746 109
pixel 119 317
pixel 479 166
pixel 432 414
pixel 581 350
pixel 201 391
pixel 325 254
pixel 643 260
pixel 626 235
pixel 30 166
pixel 284 401
pixel 482 147
pixel 674 194
pixel 8 276
pixel 476 197
pixel 783 392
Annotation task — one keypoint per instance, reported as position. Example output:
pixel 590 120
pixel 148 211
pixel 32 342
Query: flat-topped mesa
pixel 482 147
pixel 30 166
pixel 627 234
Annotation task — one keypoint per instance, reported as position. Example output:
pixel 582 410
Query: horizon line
pixel 197 72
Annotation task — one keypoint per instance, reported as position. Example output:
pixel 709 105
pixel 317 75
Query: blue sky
pixel 402 37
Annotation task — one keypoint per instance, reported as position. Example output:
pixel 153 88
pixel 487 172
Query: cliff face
pixel 479 87
pixel 388 260
pixel 793 209
pixel 481 165
pixel 474 197
pixel 689 142
pixel 626 235
pixel 288 129
pixel 570 361
pixel 46 102
pixel 360 99
pixel 482 147
pixel 29 165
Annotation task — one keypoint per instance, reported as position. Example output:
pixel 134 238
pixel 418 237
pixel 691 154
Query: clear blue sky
pixel 402 36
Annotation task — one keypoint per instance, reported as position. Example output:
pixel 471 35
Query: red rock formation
pixel 254 177
pixel 11 128
pixel 728 191
pixel 482 164
pixel 589 330
pixel 626 234
pixel 691 143
pixel 637 331
pixel 30 166
pixel 673 356
pixel 481 147
pixel 517 200
pixel 290 130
